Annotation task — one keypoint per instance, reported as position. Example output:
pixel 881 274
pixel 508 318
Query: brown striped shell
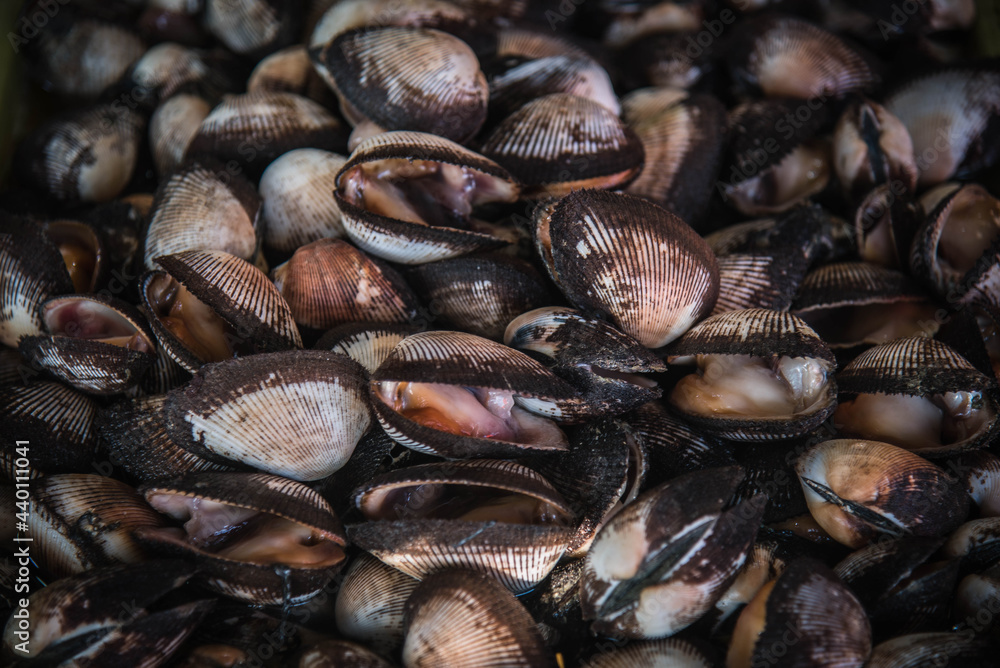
pixel 346 15
pixel 58 418
pixel 172 127
pixel 672 652
pixel 202 207
pixel 370 603
pixel 560 143
pixel 871 147
pixel 459 618
pixel 252 27
pixel 756 280
pixel 623 256
pixel 406 78
pixel 297 413
pixel 329 282
pixel 519 85
pixel 380 218
pixel 368 344
pixel 215 500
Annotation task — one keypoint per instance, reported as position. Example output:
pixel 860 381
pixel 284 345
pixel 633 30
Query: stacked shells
pixel 450 332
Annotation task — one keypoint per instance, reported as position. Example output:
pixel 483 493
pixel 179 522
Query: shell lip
pixel 870 517
pixel 118 312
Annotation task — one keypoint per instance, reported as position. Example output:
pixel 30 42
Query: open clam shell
pixel 560 143
pixel 763 375
pixel 256 537
pixel 406 78
pixel 298 414
pixel 919 394
pixel 96 344
pixel 620 255
pixel 368 344
pixel 872 147
pixel 408 197
pixel 454 394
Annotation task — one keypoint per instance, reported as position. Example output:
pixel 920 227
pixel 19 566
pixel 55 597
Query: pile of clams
pixel 476 333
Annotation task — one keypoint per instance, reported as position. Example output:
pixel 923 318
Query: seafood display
pixel 477 333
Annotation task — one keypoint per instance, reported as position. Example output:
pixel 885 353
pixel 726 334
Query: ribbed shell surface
pixel 460 618
pixel 668 653
pixel 172 127
pixel 752 131
pixel 298 414
pixel 854 284
pixel 370 602
pixel 409 145
pixel 756 280
pixel 265 493
pixel 198 209
pixel 240 293
pixel 757 332
pixel 784 56
pixel 582 77
pixel 249 26
pixel 329 282
pixel 88 365
pixel 405 78
pixel 457 358
pixel 519 556
pixel 368 344
pixel 621 255
pixel 82 521
pixel 915 366
pixel 56 418
pixel 562 139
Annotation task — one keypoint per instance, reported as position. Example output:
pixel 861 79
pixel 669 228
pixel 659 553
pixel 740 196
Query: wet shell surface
pixel 625 257
pixel 172 127
pixel 370 603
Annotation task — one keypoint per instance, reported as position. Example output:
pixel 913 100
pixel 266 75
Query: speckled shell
pixel 86 155
pixel 785 56
pixel 58 419
pixel 297 413
pixel 299 206
pixel 560 143
pixel 683 146
pixel 202 207
pixel 329 282
pixel 368 344
pixel 81 521
pixel 257 583
pixel 406 78
pixel 255 128
pixel 623 256
pixel 959 104
pixel 480 294
pixel 409 242
pixel 370 603
pixel 461 618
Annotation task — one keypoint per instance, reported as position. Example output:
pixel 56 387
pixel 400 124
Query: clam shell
pixel 336 653
pixel 297 413
pixel 167 67
pixel 255 128
pixel 172 127
pixel 480 294
pixel 348 15
pixel 81 521
pixel 521 84
pixel 202 207
pixel 757 280
pixel 872 147
pixel 460 618
pixel 329 282
pixel 299 206
pixel 240 293
pixel 56 418
pixel 670 652
pixel 884 226
pixel 660 59
pixel 252 27
pixel 914 650
pixel 626 257
pixel 370 603
pixel 407 78
pixel 560 143
pixel 785 56
pixel 368 344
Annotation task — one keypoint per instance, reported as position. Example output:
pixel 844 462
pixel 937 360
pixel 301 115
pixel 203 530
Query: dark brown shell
pixel 368 344
pixel 405 78
pixel 560 143
pixel 620 255
pixel 329 282
pixel 757 280
pixel 754 332
pixel 252 27
pixel 370 603
pixel 526 81
pixel 462 618
pixel 55 418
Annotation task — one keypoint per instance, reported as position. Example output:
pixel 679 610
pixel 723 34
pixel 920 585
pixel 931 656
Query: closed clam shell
pixel 167 67
pixel 918 649
pixel 370 603
pixel 459 618
pixel 683 146
pixel 672 652
pixel 86 155
pixel 59 419
pixel 297 413
pixel 467 361
pixel 623 256
pixel 255 128
pixel 202 207
pixel 407 78
pixel 172 127
pixel 785 56
pixel 340 653
pixel 299 206
pixel 659 59
pixel 560 143
pixel 329 282
pixel 521 84
pixel 31 271
pixel 240 293
pixel 480 294
pixel 341 17
pixel 757 280
pixel 252 27
pixel 289 569
pixel 375 193
pixel 81 521
pixel 368 344
pixel 950 115
pixel 872 147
